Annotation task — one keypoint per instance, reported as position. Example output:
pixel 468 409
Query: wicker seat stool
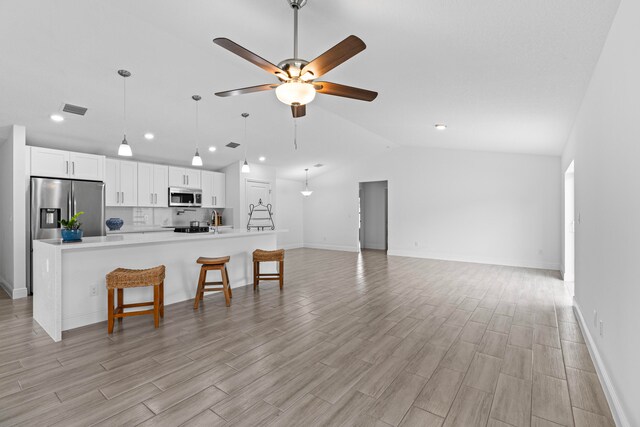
pixel 122 278
pixel 209 264
pixel 259 256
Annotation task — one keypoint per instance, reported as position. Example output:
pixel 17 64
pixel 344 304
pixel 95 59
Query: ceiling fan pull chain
pixel 295 134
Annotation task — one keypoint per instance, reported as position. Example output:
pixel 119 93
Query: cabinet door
pixel 145 184
pixel 86 166
pixel 128 183
pixel 112 182
pixel 160 186
pixel 177 177
pixel 219 182
pixel 193 178
pixel 207 189
pixel 49 163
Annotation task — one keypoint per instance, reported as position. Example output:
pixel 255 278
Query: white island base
pixel 69 288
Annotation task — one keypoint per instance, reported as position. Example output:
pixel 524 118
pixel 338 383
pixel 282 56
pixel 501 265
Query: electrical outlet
pixel 601 328
pixel 595 317
pixel 93 290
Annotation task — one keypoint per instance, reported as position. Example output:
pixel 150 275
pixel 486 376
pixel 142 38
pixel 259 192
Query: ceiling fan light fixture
pixel 296 93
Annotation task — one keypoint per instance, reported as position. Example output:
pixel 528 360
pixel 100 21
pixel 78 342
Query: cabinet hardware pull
pixel 73 168
pixel 122 197
pixel 155 198
pixel 151 198
pixel 117 197
pixel 66 165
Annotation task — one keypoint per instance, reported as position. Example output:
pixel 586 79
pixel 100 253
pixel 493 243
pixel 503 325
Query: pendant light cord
pixel 197 129
pixel 245 137
pixel 124 106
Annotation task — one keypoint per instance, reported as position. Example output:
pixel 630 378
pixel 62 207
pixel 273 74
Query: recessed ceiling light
pixel 440 126
pixel 57 118
pixel 212 148
pixel 149 136
pixel 262 158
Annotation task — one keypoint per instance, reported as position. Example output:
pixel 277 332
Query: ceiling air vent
pixel 74 109
pixel 233 145
pixel 319 165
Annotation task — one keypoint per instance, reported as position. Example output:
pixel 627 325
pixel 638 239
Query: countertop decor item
pixel 71 231
pixel 114 223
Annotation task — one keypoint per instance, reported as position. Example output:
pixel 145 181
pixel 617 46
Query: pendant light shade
pixel 124 149
pixel 196 160
pixel 245 165
pixel 306 192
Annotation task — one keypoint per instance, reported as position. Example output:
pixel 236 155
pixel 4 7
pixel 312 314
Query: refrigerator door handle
pixel 69 214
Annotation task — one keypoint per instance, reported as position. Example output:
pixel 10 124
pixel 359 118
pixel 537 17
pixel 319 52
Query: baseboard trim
pixel 477 260
pixel 331 247
pixel 291 246
pixel 13 293
pixel 19 293
pixel 612 397
pixel 5 287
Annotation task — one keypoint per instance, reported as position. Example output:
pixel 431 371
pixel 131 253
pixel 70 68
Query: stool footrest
pixel 137 304
pixel 213 283
pixel 132 313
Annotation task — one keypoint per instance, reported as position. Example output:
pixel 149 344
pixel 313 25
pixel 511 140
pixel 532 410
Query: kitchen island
pixel 69 278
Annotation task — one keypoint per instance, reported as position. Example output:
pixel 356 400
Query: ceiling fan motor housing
pixel 297 4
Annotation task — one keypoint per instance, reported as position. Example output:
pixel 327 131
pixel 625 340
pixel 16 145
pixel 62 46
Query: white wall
pixel 605 143
pixel 373 215
pixel 13 211
pixel 288 213
pixel 458 205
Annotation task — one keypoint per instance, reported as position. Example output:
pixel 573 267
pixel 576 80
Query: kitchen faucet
pixel 214 220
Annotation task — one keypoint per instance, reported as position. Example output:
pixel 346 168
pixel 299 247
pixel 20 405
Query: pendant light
pixel 125 148
pixel 306 192
pixel 245 165
pixel 197 160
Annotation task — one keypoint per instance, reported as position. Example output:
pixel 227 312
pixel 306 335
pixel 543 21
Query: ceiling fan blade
pixel 234 47
pixel 335 56
pixel 336 89
pixel 250 89
pixel 298 111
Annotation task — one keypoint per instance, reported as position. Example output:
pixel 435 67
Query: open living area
pixel 421 216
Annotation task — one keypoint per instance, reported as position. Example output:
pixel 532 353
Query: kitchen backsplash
pixel 160 216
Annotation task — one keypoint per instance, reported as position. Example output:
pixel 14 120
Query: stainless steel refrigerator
pixel 55 199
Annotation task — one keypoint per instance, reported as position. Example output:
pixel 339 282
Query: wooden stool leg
pixel 227 274
pixel 199 291
pixel 281 272
pixel 156 305
pixel 120 303
pixel 162 299
pixel 225 287
pixel 256 274
pixel 110 311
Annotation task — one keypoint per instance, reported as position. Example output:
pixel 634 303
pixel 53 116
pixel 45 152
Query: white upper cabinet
pixel 121 183
pixel 183 177
pixel 153 185
pixel 51 163
pixel 213 193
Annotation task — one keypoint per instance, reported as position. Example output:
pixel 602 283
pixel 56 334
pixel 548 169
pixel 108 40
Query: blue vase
pixel 114 223
pixel 71 235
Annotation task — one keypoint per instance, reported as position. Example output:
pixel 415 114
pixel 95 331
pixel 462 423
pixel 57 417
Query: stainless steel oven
pixel 185 197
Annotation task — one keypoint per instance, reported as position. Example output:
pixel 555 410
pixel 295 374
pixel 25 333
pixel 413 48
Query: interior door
pixel 256 191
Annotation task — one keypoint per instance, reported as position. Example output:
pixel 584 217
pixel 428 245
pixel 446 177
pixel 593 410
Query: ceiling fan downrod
pixel 296 5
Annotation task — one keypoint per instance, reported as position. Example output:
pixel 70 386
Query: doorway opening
pixel 569 228
pixel 373 214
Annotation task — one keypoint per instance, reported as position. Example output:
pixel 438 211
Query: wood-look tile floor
pixel 353 340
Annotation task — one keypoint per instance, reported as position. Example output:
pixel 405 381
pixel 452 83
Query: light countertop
pixel 126 239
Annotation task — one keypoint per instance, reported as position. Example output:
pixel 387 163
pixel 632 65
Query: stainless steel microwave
pixel 185 197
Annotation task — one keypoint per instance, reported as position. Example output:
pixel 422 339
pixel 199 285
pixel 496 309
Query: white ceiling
pixel 504 75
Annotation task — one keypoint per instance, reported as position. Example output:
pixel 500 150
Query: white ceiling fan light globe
pixel 298 92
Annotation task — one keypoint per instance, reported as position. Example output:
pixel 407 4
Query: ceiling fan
pixel 297 76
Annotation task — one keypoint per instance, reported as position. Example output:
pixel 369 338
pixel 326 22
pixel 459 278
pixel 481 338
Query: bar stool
pixel 122 278
pixel 268 256
pixel 208 264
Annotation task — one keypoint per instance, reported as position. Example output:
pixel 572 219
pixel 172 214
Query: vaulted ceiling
pixel 504 75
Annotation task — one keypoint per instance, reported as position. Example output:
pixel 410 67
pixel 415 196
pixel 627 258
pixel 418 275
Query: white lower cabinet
pixel 121 183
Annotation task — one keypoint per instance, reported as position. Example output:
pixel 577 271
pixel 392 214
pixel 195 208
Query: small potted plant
pixel 71 231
